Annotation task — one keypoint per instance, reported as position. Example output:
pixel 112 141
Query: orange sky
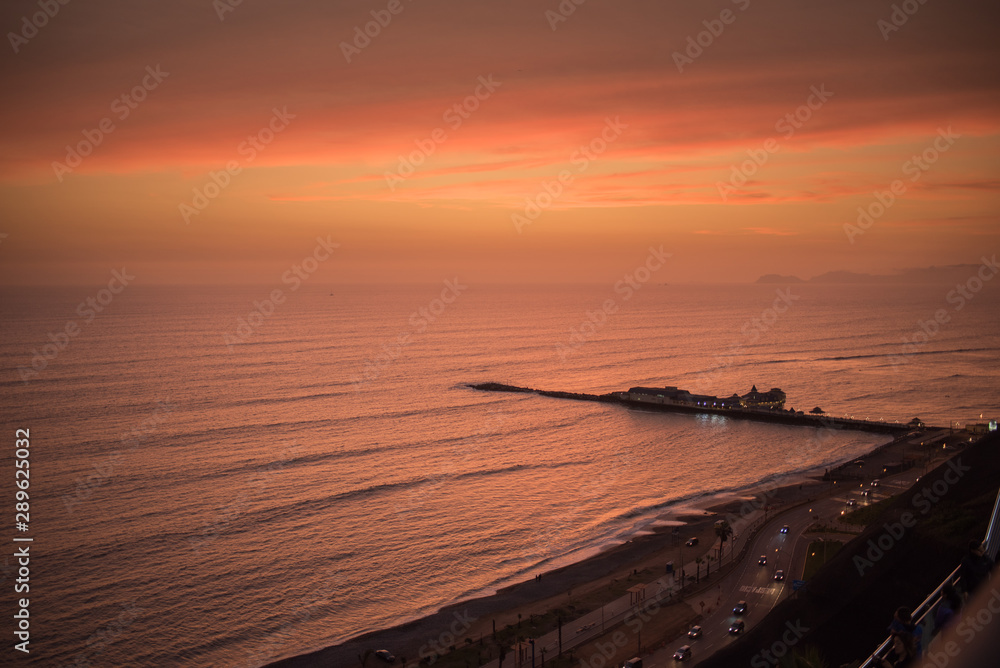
pixel 656 180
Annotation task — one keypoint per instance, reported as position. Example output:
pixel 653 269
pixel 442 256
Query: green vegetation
pixel 865 515
pixel 819 527
pixel 954 523
pixel 810 657
pixel 818 553
pixel 724 532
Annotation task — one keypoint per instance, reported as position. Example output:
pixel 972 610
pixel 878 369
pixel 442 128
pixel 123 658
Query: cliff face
pixel 898 560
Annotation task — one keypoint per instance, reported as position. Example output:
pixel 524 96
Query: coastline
pixel 644 556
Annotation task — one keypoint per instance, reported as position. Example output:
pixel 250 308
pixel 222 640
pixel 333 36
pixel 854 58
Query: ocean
pixel 211 487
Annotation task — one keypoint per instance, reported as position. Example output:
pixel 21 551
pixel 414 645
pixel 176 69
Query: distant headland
pixel 948 274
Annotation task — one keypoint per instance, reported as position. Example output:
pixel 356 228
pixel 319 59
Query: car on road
pixel 737 627
pixel 851 503
pixel 692 542
pixel 875 482
pixel 683 653
pixel 634 662
pixel 385 655
pixel 785 529
pixel 867 493
pixel 586 627
pixel 779 575
pixel 694 632
pixel 740 608
pixel 762 561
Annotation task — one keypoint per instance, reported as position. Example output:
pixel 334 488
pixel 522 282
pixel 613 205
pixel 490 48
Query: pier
pixel 737 413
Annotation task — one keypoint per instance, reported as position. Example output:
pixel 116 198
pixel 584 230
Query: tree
pixel 697 572
pixel 723 531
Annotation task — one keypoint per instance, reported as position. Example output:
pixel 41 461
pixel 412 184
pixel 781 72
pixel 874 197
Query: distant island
pixel 952 273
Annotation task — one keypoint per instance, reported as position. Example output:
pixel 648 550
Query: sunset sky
pixel 887 92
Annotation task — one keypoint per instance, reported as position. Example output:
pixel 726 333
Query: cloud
pixel 771 231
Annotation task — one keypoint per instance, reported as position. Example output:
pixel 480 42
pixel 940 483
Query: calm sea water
pixel 200 503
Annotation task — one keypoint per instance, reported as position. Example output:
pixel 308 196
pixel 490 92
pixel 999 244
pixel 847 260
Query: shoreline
pixel 642 554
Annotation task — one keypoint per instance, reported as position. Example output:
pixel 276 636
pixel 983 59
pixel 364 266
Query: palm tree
pixel 723 531
pixel 697 572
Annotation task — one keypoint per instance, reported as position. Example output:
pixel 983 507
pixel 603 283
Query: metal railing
pixel 991 542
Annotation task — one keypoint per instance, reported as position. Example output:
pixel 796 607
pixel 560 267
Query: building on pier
pixel 773 398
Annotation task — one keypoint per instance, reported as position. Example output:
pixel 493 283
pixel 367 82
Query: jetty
pixel 760 407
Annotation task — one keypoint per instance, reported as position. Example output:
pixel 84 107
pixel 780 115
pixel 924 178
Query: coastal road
pixel 755 584
pixel 749 581
pixel 752 582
